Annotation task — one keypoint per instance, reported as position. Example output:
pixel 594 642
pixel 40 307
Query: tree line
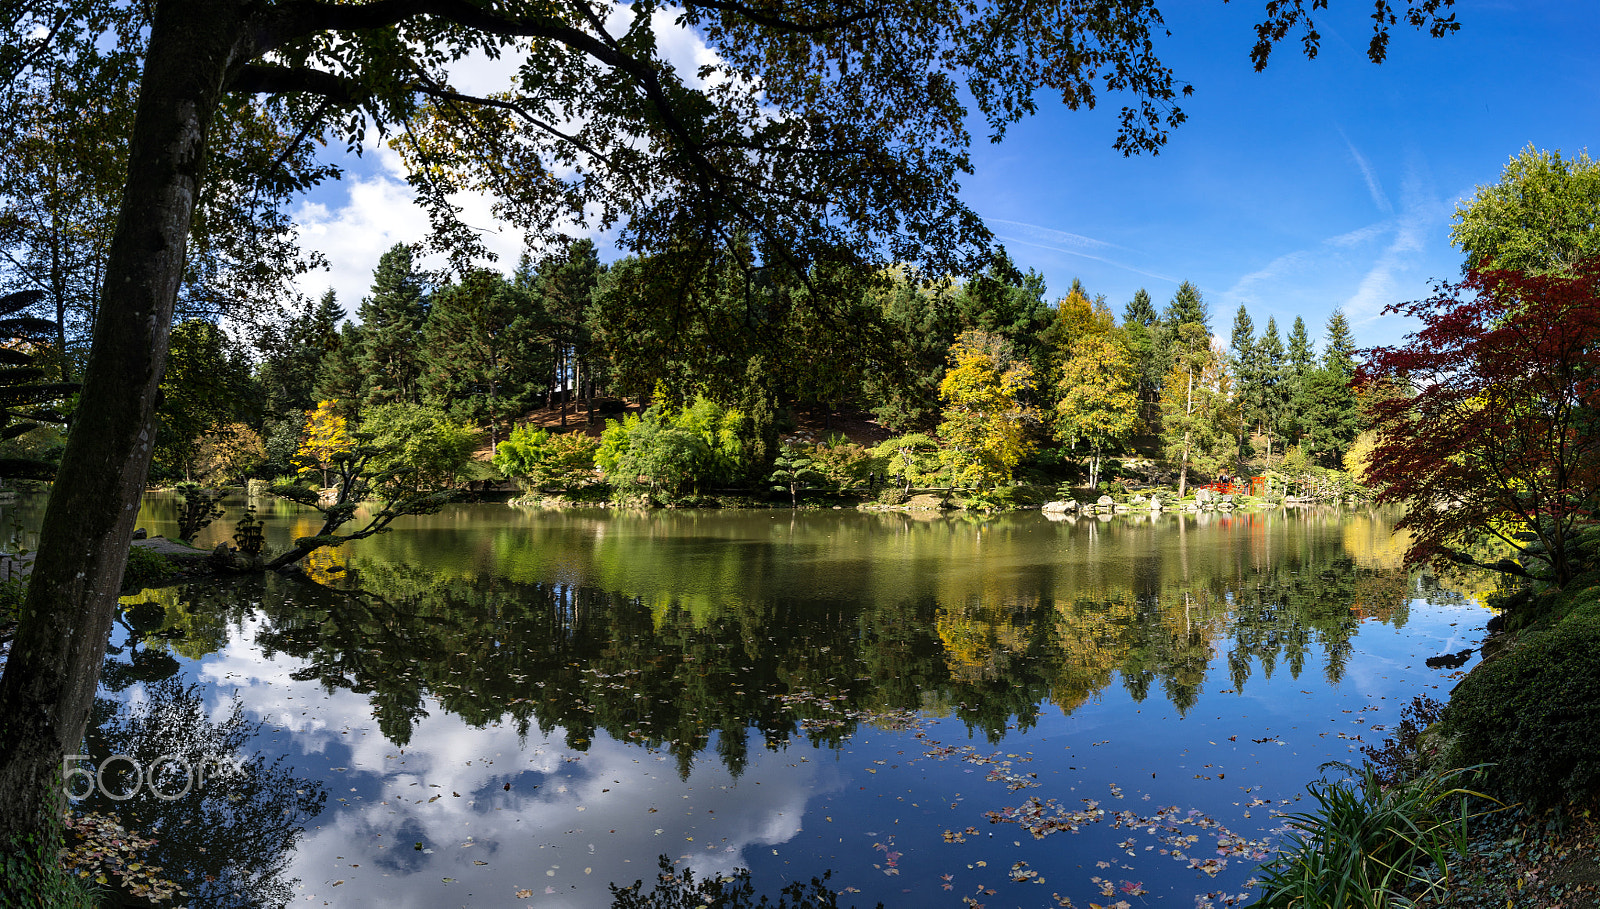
pixel 979 378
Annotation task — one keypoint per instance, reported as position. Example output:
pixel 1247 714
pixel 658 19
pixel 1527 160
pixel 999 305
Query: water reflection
pixel 225 820
pixel 691 672
pixel 505 701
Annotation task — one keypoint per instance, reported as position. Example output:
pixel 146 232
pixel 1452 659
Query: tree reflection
pixel 228 829
pixel 692 677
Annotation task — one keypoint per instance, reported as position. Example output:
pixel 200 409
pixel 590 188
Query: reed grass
pixel 1369 845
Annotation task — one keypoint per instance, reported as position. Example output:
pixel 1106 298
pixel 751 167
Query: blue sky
pixel 1313 185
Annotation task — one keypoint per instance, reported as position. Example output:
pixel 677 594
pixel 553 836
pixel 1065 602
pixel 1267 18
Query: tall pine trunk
pixel 54 666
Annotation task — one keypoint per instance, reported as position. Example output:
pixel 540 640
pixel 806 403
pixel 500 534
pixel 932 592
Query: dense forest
pixel 982 380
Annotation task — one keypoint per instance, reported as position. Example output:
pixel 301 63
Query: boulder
pixel 1104 501
pixel 1063 507
pixel 1202 496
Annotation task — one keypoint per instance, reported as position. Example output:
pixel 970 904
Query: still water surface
pixel 496 706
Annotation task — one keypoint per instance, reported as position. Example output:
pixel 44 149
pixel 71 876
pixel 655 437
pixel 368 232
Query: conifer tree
pixel 1302 361
pixel 1331 414
pixel 1139 310
pixel 392 319
pixel 1275 387
pixel 482 351
pixel 291 356
pixel 1188 307
pixel 1249 383
pixel 1139 326
pixel 564 288
pixel 340 378
pixel 1339 350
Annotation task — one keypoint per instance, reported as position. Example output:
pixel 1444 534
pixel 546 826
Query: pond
pixel 498 706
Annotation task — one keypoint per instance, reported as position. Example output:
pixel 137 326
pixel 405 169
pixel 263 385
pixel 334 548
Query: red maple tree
pixel 1486 417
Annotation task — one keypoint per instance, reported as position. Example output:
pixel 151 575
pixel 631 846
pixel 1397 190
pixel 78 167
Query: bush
pixel 541 460
pixel 197 508
pixel 1534 714
pixel 846 465
pixel 670 454
pixel 145 568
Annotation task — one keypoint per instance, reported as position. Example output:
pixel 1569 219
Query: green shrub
pixel 543 461
pixel 145 568
pixel 197 508
pixel 670 454
pixel 1367 845
pixel 1534 713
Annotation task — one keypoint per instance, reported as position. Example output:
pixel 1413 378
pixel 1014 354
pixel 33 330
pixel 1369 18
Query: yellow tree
pixel 985 427
pixel 1098 404
pixel 226 453
pixel 326 439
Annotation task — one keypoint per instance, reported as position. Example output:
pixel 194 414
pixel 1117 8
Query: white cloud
pixel 1053 236
pixel 1421 213
pixel 571 823
pixel 1374 187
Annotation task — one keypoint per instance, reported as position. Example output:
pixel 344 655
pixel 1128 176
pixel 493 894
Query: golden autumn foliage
pixel 326 438
pixel 985 426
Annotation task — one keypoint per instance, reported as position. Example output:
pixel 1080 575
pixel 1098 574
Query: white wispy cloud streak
pixel 1081 254
pixel 1420 212
pixel 1051 235
pixel 1374 186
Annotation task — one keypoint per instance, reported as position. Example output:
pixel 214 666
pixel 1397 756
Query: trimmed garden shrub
pixel 1534 715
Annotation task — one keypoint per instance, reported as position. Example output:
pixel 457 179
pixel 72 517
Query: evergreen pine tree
pixel 1272 365
pixel 1139 326
pixel 1339 351
pixel 481 351
pixel 1249 387
pixel 340 377
pixel 1332 417
pixel 1139 310
pixel 1301 355
pixel 565 286
pixel 291 355
pixel 392 319
pixel 1171 342
pixel 1302 361
pixel 1188 307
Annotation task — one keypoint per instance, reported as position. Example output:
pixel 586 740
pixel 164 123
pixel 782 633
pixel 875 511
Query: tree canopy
pixel 1541 216
pixel 1495 437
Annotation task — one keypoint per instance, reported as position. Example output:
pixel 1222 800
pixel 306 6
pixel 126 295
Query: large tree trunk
pixel 54 666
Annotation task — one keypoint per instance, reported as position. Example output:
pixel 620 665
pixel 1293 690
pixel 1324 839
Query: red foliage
pixel 1486 417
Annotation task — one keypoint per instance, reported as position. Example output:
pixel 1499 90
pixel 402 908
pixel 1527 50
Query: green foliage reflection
pixel 687 674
